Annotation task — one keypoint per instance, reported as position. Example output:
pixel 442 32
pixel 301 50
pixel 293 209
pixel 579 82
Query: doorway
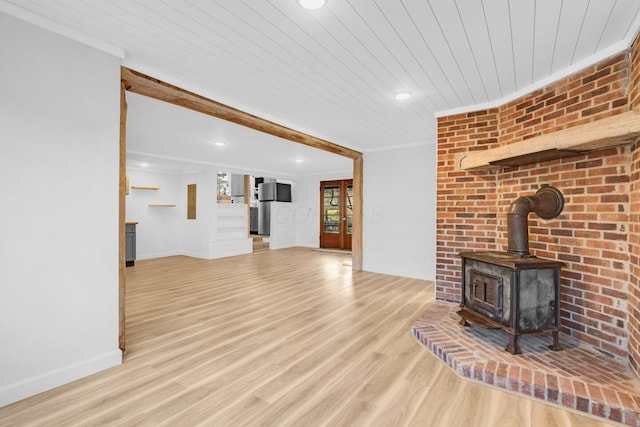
pixel 336 214
pixel 142 84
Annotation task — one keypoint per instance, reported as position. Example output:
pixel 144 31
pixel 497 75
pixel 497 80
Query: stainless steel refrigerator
pixel 269 192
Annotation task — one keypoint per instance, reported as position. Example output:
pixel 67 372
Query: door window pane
pixel 331 195
pixel 349 208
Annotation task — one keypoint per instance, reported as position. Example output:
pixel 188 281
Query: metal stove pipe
pixel 547 203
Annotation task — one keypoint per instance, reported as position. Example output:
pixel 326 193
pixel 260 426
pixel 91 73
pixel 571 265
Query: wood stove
pixel 513 290
pixel 517 294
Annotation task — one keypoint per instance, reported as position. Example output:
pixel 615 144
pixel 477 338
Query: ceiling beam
pixel 145 85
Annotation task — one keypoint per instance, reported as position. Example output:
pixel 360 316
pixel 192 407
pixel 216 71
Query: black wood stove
pixel 513 290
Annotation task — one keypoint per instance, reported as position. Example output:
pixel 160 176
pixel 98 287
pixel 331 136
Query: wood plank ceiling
pixel 333 72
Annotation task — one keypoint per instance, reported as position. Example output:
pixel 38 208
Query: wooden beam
pixel 121 218
pixel 356 237
pixel 145 85
pixel 623 128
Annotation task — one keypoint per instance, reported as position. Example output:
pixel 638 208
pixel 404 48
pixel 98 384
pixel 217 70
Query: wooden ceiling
pixel 332 72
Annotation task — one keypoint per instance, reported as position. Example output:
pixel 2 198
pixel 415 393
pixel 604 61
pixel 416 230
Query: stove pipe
pixel 547 203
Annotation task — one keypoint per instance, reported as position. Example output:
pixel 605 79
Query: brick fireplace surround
pixel 597 235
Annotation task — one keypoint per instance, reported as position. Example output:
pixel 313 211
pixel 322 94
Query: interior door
pixel 336 214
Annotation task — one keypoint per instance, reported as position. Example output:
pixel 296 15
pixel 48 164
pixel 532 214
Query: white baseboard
pixel 232 247
pixel 194 254
pixel 157 255
pixel 28 387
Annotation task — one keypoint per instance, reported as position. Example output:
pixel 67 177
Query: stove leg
pixel 556 344
pixel 513 345
pixel 463 319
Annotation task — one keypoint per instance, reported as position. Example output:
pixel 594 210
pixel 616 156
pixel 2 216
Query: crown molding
pixel 63 30
pixel 612 50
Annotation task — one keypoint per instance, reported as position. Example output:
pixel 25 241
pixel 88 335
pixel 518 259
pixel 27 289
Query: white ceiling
pixel 169 138
pixel 332 72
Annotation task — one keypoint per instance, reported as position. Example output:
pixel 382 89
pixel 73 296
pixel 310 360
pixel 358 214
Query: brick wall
pixel 466 203
pixel 634 75
pixel 594 93
pixel 634 221
pixel 634 262
pixel 593 234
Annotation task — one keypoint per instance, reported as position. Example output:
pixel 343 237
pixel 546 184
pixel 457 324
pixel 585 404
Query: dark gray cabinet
pixel 130 244
pixel 253 220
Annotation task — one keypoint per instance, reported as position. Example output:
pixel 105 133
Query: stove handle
pixel 474 285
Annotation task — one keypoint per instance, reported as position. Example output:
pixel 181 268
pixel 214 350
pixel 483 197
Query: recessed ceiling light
pixel 311 4
pixel 218 143
pixel 401 96
pixel 299 160
pixel 144 164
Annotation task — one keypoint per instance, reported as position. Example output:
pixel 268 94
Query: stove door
pixel 486 294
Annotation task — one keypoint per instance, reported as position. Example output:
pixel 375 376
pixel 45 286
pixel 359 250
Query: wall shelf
pixel 161 205
pixel 609 132
pixel 144 187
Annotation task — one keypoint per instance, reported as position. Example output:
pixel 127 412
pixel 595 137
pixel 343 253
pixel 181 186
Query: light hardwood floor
pixel 277 338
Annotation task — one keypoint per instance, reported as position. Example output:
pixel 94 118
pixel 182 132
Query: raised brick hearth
pixel 576 377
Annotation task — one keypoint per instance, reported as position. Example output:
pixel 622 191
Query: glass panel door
pixel 336 219
pixel 331 209
pixel 349 206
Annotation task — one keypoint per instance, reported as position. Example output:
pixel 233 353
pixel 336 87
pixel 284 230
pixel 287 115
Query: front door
pixel 336 214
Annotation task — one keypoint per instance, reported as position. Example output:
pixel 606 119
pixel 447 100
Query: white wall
pixel 166 231
pixel 59 130
pixel 305 193
pixel 282 226
pixel 399 212
pixel 158 232
pixel 197 233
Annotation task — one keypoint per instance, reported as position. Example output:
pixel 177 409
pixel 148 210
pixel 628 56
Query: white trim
pixel 34 385
pixel 634 30
pixel 198 255
pixel 158 255
pixel 230 247
pixel 63 30
pixel 615 49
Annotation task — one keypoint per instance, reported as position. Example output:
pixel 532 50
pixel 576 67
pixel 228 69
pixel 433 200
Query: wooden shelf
pixel 161 205
pixel 609 132
pixel 144 187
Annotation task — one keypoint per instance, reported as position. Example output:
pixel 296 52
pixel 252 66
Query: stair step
pixel 260 243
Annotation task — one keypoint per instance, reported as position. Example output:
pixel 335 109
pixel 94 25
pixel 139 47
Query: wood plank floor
pixel 277 338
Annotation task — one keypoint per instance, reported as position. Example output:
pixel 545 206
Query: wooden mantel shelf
pixel 144 187
pixel 611 131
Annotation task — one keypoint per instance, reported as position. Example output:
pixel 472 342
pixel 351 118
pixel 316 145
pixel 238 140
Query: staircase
pixel 260 243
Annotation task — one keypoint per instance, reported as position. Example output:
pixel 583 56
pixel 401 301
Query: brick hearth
pixel 576 377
